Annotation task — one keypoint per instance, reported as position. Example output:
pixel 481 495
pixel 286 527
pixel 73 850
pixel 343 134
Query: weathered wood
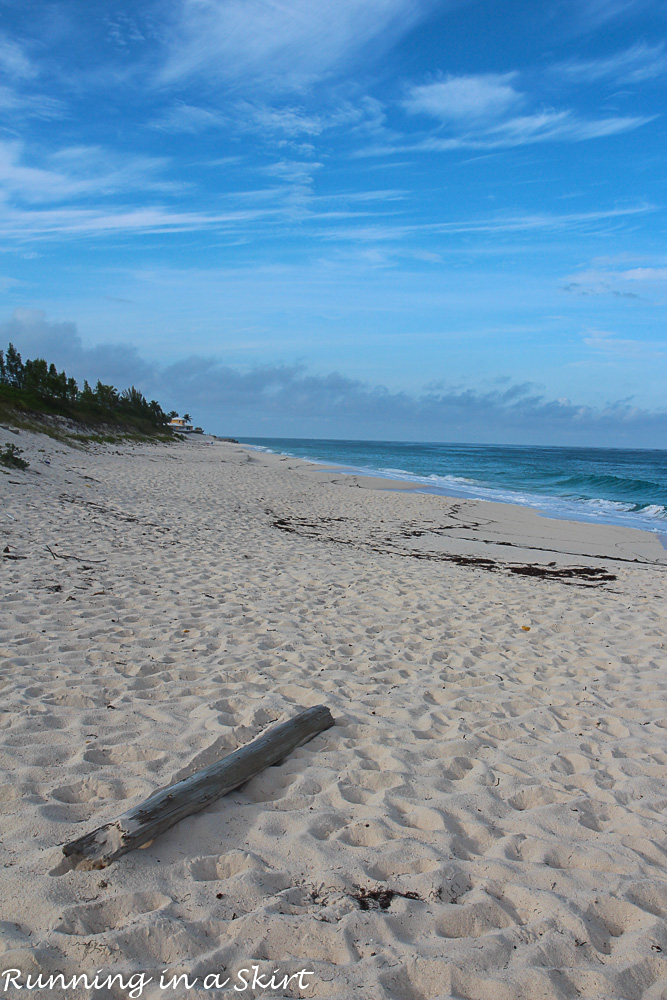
pixel 169 805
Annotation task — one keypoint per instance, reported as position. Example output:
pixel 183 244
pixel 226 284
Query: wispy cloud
pixel 657 274
pixel 27 105
pixel 482 111
pixel 278 124
pixel 17 95
pixel 528 223
pixel 75 172
pixel 522 130
pixel 636 64
pixel 31 225
pixel 648 283
pixel 14 60
pixel 288 120
pixel 288 45
pixel 7 282
pixel 609 344
pixel 187 118
pixel 550 126
pixel 598 12
pixel 578 288
pixel 296 173
pixel 124 30
pixel 86 191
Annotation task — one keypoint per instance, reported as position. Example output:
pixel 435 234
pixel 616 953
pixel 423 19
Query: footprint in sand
pixel 124 755
pixel 92 789
pixel 96 918
pixel 214 867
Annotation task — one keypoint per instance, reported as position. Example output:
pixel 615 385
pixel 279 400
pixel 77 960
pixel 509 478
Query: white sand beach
pixel 486 820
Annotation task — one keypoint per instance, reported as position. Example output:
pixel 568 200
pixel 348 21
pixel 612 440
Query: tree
pixel 87 396
pixel 158 415
pixel 134 400
pixel 106 395
pixel 14 367
pixel 187 417
pixel 36 379
pixel 35 376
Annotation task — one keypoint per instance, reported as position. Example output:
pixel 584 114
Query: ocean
pixel 621 486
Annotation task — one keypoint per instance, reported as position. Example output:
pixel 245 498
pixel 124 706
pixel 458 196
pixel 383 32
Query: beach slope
pixel 485 819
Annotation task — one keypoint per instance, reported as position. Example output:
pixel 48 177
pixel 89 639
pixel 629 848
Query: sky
pixel 436 220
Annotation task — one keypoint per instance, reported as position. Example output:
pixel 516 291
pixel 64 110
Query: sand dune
pixel 485 820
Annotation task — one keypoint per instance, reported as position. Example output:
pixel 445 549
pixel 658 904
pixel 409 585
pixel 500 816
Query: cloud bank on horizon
pixel 273 400
pixel 237 198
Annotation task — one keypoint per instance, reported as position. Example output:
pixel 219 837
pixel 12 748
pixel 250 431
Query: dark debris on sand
pixel 380 898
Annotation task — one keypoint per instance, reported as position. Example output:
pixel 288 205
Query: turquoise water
pixel 608 485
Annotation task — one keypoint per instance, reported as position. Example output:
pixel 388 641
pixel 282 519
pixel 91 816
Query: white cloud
pixel 537 222
pixel 290 121
pixel 30 105
pixel 465 98
pixel 522 130
pixel 546 221
pixel 658 274
pixel 30 183
pixel 286 43
pixel 7 282
pixel 91 174
pixel 13 60
pixel 124 30
pixel 30 225
pixel 298 179
pixel 294 171
pixel 598 12
pixel 187 118
pixel 602 341
pixel 75 172
pixel 648 283
pixel 18 72
pixel 481 111
pixel 636 64
pixel 554 125
pixel 84 191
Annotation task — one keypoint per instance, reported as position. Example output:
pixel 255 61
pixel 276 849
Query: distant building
pixel 180 425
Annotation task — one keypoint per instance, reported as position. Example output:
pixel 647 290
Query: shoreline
pixel 505 521
pixel 486 816
pixel 538 502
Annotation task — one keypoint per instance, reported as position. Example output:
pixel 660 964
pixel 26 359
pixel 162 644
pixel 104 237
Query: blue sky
pixel 441 219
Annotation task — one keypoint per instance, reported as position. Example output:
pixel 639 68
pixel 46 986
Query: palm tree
pixel 187 418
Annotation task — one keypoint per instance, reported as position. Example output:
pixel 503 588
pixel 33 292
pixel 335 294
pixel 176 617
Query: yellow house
pixel 179 424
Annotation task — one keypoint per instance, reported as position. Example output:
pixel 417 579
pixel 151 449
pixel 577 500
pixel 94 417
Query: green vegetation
pixel 11 457
pixel 33 391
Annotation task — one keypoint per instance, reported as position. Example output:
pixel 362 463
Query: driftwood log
pixel 167 806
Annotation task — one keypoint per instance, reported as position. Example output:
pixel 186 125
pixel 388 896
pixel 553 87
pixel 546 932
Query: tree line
pixel 36 379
